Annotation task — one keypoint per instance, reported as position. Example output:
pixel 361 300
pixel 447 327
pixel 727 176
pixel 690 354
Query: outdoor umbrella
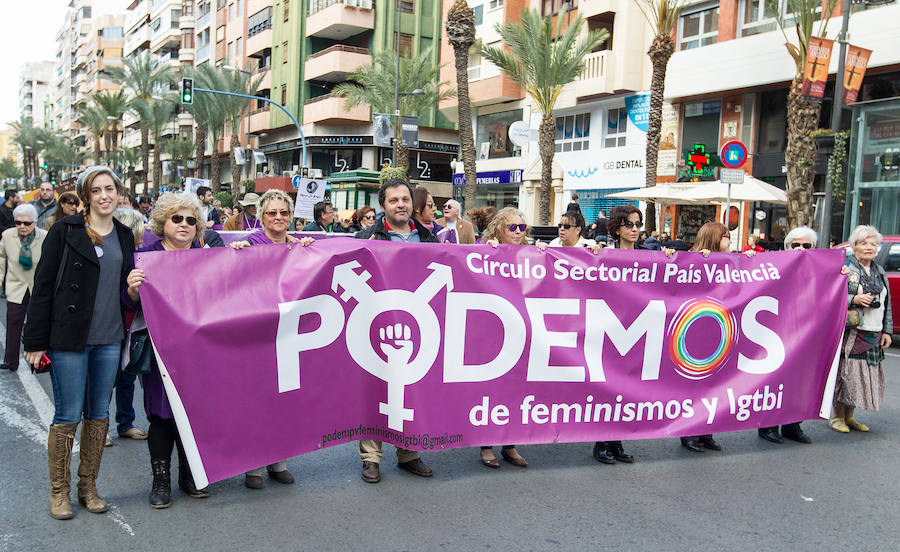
pixel 752 189
pixel 658 194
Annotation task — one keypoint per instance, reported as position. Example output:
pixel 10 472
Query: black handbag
pixel 140 354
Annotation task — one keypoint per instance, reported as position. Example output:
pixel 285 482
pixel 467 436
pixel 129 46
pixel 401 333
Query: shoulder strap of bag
pixel 62 265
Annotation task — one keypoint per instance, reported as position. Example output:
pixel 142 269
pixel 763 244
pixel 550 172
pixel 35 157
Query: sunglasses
pixel 284 213
pixel 448 207
pixel 24 223
pixel 566 226
pixel 369 217
pixel 70 203
pixel 429 205
pixel 796 245
pixel 519 227
pixel 178 219
pixel 629 224
pixel 726 235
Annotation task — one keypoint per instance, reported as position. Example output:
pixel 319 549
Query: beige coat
pixel 465 231
pixel 19 280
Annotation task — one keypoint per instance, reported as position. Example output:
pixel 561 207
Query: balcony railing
pixel 203 20
pixel 202 52
pixel 319 5
pixel 595 65
pixel 321 98
pixel 340 48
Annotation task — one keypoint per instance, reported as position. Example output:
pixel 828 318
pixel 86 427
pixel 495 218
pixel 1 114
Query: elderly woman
pixel 364 217
pixel 276 208
pixel 67 205
pixel 860 382
pixel 456 229
pixel 20 252
pixel 75 318
pixel 507 227
pixel 753 243
pixel 177 219
pixel 571 232
pixel 424 210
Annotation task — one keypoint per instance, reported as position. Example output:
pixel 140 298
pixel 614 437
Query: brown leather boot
pixel 93 436
pixel 59 455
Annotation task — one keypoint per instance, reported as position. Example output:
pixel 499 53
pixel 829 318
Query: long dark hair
pixel 65 197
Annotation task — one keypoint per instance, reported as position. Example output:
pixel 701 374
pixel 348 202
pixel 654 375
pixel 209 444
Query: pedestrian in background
pixel 573 205
pixel 205 195
pixel 860 381
pixel 45 203
pixel 323 218
pixel 67 205
pixel 178 219
pixel 753 243
pixel 245 218
pixel 75 316
pixel 456 229
pixel 598 231
pixel 481 217
pixel 423 210
pixel 571 233
pixel 10 200
pixel 20 252
pixel 364 217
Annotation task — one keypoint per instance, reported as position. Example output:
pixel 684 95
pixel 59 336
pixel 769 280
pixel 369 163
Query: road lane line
pixel 36 393
pixel 115 515
pixel 892 354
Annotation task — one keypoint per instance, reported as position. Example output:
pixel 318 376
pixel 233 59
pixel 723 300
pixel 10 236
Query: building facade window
pixel 759 16
pixel 112 33
pixel 492 135
pixel 283 94
pixel 259 21
pixel 573 132
pixel 474 65
pixel 287 10
pixel 494 4
pixel 479 14
pixel 698 28
pixel 406 45
pixel 238 49
pixel 549 7
pixel 284 52
pixel 616 127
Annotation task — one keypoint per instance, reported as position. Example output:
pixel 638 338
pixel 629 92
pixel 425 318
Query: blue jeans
pixel 124 401
pixel 83 382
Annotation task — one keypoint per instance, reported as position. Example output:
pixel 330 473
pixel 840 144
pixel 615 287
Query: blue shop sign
pixel 492 177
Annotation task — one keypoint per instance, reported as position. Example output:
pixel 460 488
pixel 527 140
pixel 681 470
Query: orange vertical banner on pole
pixel 815 74
pixel 854 71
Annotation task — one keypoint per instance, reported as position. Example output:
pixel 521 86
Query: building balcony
pixel 334 63
pixel 486 91
pixel 259 41
pixel 185 119
pixel 202 53
pixel 259 119
pixel 137 40
pixel 329 109
pixel 266 81
pixel 203 21
pixel 597 77
pixel 339 19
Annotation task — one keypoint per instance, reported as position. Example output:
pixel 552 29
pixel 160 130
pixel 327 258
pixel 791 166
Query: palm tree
pixel 180 150
pixel 210 115
pixel 128 160
pixel 662 15
pixel 143 76
pixel 802 114
pixel 543 60
pixel 156 115
pixel 239 82
pixel 461 34
pixel 374 85
pixel 94 120
pixel 113 105
pixel 29 138
pixel 60 149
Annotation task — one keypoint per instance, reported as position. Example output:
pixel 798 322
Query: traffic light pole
pixel 276 104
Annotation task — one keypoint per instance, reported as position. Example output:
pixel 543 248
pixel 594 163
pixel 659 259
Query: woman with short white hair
pixel 20 251
pixel 801 237
pixel 860 382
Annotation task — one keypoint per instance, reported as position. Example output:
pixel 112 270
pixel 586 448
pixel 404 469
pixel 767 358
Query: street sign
pixel 296 180
pixel 733 154
pixel 731 176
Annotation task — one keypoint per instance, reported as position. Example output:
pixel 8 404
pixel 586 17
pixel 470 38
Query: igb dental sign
pixel 434 347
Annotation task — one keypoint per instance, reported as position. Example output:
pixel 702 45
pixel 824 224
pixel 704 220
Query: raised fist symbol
pixel 395 343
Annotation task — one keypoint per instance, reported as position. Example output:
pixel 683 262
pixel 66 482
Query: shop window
pixel 772 122
pixel 698 28
pixel 573 132
pixel 492 135
pixel 616 126
pixel 594 201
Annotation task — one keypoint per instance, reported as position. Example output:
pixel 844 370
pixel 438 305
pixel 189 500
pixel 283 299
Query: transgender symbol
pixel 400 369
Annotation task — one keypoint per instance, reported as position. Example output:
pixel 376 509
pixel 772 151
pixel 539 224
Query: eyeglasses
pixel 369 217
pixel 795 245
pixel 284 213
pixel 177 219
pixel 519 227
pixel 429 205
pixel 24 222
pixel 630 224
pixel 566 226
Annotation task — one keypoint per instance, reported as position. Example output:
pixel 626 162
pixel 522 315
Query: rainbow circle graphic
pixel 689 313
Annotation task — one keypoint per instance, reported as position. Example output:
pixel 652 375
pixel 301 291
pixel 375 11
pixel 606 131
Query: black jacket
pixel 378 232
pixel 61 319
pixel 7 220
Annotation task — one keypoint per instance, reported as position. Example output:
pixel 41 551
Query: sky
pixel 27 33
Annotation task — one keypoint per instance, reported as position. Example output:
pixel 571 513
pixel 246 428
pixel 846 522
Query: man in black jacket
pixel 395 198
pixel 677 244
pixel 10 201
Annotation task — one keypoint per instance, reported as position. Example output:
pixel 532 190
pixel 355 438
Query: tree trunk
pixel 403 157
pixel 214 171
pixel 800 155
pixel 660 51
pixel 157 165
pixel 466 138
pixel 235 168
pixel 200 146
pixel 96 149
pixel 145 156
pixel 546 136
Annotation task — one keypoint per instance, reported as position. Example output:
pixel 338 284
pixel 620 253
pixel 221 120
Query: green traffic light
pixel 187 97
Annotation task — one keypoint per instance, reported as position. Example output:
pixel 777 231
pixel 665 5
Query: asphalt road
pixel 839 493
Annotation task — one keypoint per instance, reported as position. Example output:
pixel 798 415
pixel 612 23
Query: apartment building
pixel 35 90
pixel 599 136
pixel 728 80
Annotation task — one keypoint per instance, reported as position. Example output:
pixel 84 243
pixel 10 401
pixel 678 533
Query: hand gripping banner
pixel 278 350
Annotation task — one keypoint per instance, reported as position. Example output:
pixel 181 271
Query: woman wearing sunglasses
pixel 178 219
pixel 506 228
pixel 364 217
pixel 67 205
pixel 75 316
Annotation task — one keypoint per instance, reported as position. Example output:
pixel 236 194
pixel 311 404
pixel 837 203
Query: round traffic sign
pixel 733 154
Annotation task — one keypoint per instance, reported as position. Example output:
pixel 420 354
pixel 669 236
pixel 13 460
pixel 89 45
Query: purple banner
pixel 440 346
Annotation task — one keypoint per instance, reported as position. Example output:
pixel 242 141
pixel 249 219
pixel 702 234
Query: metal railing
pixel 340 48
pixel 319 5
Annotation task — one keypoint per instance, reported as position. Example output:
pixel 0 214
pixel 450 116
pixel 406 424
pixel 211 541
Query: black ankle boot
pixel 601 454
pixel 186 479
pixel 161 493
pixel 615 448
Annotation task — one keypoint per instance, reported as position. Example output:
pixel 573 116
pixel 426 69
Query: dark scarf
pixel 25 253
pixel 871 281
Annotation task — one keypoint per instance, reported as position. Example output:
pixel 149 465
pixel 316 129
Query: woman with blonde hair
pixel 76 318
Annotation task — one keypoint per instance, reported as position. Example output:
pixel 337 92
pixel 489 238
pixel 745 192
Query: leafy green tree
pixel 94 120
pixel 156 115
pixel 210 116
pixel 239 82
pixel 113 105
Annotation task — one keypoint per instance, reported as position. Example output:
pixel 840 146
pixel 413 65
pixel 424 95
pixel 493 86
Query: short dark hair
pixel 320 208
pixel 201 191
pixel 8 194
pixel 576 218
pixel 619 215
pixel 574 197
pixel 144 199
pixel 392 183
